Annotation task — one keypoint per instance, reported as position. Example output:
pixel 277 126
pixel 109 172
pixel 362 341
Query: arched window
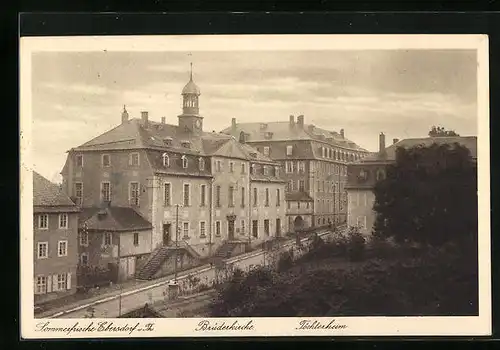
pixel 380 174
pixel 184 162
pixel 166 160
pixel 201 163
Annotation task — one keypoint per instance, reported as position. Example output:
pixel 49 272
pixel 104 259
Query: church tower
pixel 190 119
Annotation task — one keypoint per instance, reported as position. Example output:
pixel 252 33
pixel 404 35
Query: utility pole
pixel 176 240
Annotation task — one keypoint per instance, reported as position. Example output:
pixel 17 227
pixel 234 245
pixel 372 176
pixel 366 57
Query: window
pixel 267 197
pixel 41 285
pixel 165 159
pixel 288 204
pixel 289 150
pixel 84 259
pixel 298 205
pixel 243 197
pixel 84 238
pixel 266 151
pixel 202 229
pixel 134 193
pixel 133 159
pixel 302 185
pixel 252 169
pixel 380 174
pixel 361 222
pixel 302 167
pixel 79 160
pixel 243 168
pixel 201 164
pixel 184 162
pixel 278 197
pixel 218 166
pixel 255 228
pixel 62 248
pixel 217 228
pixel 203 195
pixel 136 238
pixel 276 171
pixel 242 227
pixel 79 192
pixel 167 194
pixel 266 170
pixel 106 160
pixel 266 227
pixel 105 191
pixel 43 221
pixel 278 227
pixel 289 167
pixel 107 238
pixel 217 196
pixel 186 195
pixel 185 229
pixel 255 196
pixel 231 167
pixel 231 196
pixel 42 250
pixel 62 281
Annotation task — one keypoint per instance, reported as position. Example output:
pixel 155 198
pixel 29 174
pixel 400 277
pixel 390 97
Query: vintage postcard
pixel 254 185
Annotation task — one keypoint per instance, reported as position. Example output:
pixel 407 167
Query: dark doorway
pixel 167 237
pixel 278 227
pixel 230 229
pixel 298 223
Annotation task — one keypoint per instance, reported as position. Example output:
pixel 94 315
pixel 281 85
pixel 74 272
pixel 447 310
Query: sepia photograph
pixel 258 185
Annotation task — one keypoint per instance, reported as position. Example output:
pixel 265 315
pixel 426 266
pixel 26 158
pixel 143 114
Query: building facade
pixel 314 161
pixel 365 173
pixel 55 231
pixel 194 187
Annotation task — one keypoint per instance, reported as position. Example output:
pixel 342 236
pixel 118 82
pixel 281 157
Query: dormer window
pixel 166 160
pixel 252 169
pixel 266 151
pixel 253 154
pixel 268 135
pixel 184 162
pixel 201 163
pixel 263 126
pixel 186 144
pixel 266 170
pixel 289 150
pixel 276 171
pixel 106 160
pixel 167 141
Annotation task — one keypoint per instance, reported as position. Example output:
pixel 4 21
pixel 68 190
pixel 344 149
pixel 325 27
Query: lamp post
pixel 176 240
pixel 120 301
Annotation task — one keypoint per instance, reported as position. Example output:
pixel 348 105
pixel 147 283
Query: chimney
pixel 163 120
pixel 342 133
pixel 124 115
pixel 292 121
pixel 381 143
pixel 395 141
pixel 144 117
pixel 300 121
pixel 233 124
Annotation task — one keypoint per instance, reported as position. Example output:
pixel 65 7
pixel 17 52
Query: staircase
pixel 153 264
pixel 225 250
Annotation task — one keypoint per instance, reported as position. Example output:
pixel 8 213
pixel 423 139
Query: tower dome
pixel 191 88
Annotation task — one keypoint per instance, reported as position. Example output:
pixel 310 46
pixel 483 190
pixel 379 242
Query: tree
pixel 429 196
pixel 438 131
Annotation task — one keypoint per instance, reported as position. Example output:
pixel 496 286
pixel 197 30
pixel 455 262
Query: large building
pixel 314 162
pixel 220 193
pixel 55 232
pixel 364 174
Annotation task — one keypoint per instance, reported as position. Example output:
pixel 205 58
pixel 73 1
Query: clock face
pixel 197 123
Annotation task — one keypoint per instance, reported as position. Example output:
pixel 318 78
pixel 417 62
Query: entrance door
pixel 298 223
pixel 278 227
pixel 230 230
pixel 167 234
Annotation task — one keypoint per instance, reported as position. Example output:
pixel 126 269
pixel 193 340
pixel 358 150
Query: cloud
pixel 77 88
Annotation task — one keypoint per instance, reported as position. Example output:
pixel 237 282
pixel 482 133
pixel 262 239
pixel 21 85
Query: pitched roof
pixel 48 194
pixel 280 131
pixel 133 135
pixel 113 219
pixel 469 142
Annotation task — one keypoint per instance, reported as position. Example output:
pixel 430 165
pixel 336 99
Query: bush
pixel 285 261
pixel 438 283
pixel 356 244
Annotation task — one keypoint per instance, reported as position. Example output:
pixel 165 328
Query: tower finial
pixel 124 108
pixel 191 76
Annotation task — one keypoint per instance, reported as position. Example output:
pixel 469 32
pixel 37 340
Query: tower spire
pixel 191 75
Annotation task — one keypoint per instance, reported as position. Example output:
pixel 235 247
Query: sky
pixel 79 95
